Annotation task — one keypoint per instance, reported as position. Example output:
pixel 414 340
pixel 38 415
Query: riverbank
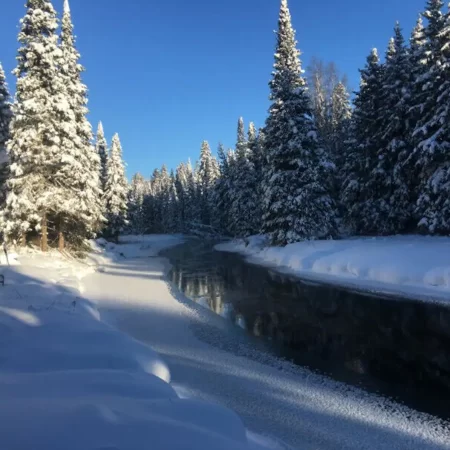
pixel 410 266
pixel 68 379
pixel 89 349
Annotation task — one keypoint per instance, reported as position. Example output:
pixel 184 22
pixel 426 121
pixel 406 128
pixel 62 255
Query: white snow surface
pixel 101 355
pixel 412 266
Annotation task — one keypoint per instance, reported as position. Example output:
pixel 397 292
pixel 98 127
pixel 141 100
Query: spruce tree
pixel 40 109
pixel 341 114
pixel 193 208
pixel 152 207
pixel 116 190
pixel 391 193
pixel 102 151
pixel 174 220
pixel 79 212
pixel 5 110
pixel 297 204
pixel 136 197
pixel 5 120
pixel 207 175
pixel 359 187
pixel 221 194
pixel 244 209
pixel 321 109
pixel 431 154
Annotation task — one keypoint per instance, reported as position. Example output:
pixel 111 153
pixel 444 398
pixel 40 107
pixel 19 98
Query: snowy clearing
pixel 88 349
pixel 413 266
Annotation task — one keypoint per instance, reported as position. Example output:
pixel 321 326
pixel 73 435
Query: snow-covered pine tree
pixel 101 147
pixel 361 155
pixel 5 120
pixel 137 193
pixel 239 213
pixel 78 212
pixel 152 207
pixel 431 154
pixel 389 184
pixel 5 110
pixel 341 114
pixel 260 164
pixel 207 175
pixel 39 111
pixel 321 109
pixel 181 185
pixel 221 194
pixel 245 213
pixel 193 210
pixel 116 191
pixel 164 199
pixel 174 216
pixel 241 143
pixel 297 204
pixel 254 183
pixel 418 65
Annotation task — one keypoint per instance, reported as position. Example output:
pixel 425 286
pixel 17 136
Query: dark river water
pixel 397 348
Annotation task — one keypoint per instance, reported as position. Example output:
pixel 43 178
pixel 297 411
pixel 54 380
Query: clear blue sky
pixel 167 74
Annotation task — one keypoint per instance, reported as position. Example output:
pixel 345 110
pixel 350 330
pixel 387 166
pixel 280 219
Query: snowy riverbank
pixel 412 266
pixel 89 348
pixel 69 380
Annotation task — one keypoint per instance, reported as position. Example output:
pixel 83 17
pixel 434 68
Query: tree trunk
pixel 23 240
pixel 61 241
pixel 44 234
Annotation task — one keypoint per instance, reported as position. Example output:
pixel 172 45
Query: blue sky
pixel 167 74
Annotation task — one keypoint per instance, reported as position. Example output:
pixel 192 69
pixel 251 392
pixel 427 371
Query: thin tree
pixel 5 120
pixel 79 212
pixel 116 191
pixel 101 147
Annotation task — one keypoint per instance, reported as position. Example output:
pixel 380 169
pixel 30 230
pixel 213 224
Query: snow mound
pixel 415 266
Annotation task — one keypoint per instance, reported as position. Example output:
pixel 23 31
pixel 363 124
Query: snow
pixel 412 266
pixel 69 380
pixel 88 348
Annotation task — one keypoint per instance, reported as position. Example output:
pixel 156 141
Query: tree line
pixel 56 186
pixel 322 167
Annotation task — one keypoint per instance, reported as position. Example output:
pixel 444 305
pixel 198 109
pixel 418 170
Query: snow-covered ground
pixel 412 266
pixel 88 350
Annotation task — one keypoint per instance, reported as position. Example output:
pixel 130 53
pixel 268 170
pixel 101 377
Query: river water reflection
pixel 398 348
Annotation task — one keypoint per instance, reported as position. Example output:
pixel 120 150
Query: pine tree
pixel 102 151
pixel 152 207
pixel 164 194
pixel 321 109
pixel 174 220
pixel 341 114
pixel 207 175
pixel 397 98
pixel 360 182
pixel 431 154
pixel 116 190
pixel 5 120
pixel 245 212
pixel 5 110
pixel 136 196
pixel 220 194
pixel 298 204
pixel 40 108
pixel 388 185
pixel 79 212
